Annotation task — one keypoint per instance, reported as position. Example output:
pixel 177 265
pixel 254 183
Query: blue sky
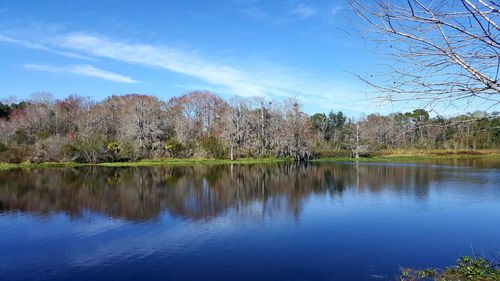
pixel 275 49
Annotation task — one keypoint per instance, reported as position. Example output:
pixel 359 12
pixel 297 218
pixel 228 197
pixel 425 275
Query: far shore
pixel 380 156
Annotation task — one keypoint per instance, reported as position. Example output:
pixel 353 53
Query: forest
pixel 200 124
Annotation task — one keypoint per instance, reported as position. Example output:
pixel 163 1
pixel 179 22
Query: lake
pixel 307 221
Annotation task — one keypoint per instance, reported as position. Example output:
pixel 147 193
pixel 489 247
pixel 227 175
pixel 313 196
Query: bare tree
pixel 235 124
pixel 442 50
pixel 198 115
pixel 292 136
pixel 92 126
pixel 138 119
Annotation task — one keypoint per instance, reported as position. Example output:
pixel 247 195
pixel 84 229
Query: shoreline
pixel 145 163
pixel 410 158
pixel 394 158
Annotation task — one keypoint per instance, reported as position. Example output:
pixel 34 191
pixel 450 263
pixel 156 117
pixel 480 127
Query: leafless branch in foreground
pixel 441 50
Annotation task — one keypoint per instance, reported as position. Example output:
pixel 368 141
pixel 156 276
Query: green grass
pixel 435 152
pixel 402 158
pixel 187 162
pixel 6 166
pixel 146 163
pixel 420 155
pixel 409 158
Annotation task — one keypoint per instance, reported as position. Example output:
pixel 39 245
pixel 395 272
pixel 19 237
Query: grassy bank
pixel 436 152
pixel 419 155
pixel 381 156
pixel 145 163
pixel 6 166
pixel 184 162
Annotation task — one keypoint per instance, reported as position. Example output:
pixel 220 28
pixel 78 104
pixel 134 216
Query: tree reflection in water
pixel 198 192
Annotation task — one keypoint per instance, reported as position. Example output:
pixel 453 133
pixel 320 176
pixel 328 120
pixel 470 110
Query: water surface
pixel 320 221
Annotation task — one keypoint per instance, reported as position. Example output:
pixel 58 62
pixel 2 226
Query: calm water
pixel 261 222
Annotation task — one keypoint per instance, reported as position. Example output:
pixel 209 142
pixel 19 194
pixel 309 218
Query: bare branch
pixel 441 50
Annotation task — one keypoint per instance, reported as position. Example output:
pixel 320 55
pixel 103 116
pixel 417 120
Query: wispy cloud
pixel 171 59
pixel 335 10
pixel 239 77
pixel 86 70
pixel 232 76
pixel 42 47
pixel 255 10
pixel 7 39
pixel 304 11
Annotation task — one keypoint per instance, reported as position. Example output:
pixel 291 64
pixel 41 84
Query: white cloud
pixel 86 70
pixel 188 63
pixel 243 77
pixel 38 46
pixel 6 39
pixel 304 11
pixel 231 76
pixel 336 10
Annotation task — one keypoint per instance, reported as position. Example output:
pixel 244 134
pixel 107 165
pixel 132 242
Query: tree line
pixel 201 124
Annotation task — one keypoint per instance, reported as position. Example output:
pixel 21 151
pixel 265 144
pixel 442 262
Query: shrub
pixel 50 149
pixel 174 148
pixel 119 152
pixel 363 151
pixel 88 150
pixel 213 147
pixel 16 154
pixel 246 152
pixel 21 137
pixel 329 153
pixel 467 269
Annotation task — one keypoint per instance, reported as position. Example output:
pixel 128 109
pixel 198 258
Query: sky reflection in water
pixel 260 222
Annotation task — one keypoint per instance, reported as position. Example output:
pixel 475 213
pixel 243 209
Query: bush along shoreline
pixel 467 269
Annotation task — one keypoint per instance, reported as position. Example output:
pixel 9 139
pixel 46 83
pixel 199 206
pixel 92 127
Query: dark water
pixel 261 222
